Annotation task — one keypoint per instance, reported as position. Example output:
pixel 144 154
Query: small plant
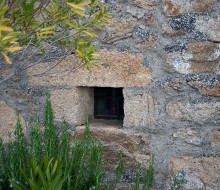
pixel 49 160
pixel 177 181
pixel 147 179
pixel 137 179
pixel 149 175
pixel 46 175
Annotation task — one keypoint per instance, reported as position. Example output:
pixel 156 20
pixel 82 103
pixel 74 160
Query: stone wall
pixel 166 56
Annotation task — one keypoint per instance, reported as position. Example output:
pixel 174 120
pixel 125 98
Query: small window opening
pixel 108 103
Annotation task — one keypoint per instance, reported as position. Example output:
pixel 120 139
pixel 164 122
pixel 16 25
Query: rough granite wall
pixel 166 55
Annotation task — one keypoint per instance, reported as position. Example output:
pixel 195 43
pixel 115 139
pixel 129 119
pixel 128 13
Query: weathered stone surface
pixel 140 110
pixel 119 29
pixel 136 12
pixel 146 4
pixel 73 104
pixel 116 69
pixel 8 121
pixel 168 31
pixel 201 173
pixel 188 135
pixel 202 57
pixel 210 27
pixel 135 147
pixel 206 89
pixel 176 84
pixel 216 139
pixel 201 28
pixel 198 112
pixel 177 7
pixel 7 70
pixel 19 95
pixel 150 43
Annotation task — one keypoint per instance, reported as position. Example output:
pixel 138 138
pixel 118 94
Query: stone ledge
pixel 136 148
pixel 116 69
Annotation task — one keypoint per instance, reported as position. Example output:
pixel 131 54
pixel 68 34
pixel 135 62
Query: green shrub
pixel 48 155
pixel 46 175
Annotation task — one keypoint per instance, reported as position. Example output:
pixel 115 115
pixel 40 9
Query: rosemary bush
pixel 80 161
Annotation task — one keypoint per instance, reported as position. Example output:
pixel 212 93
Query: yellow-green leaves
pixel 68 25
pixel 78 8
pixel 75 6
pixel 7 59
pixel 46 32
pixel 5 28
pixel 91 34
pixel 13 49
pixel 11 35
pixel 7 35
pixel 86 52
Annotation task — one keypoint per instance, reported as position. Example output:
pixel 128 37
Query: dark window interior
pixel 108 103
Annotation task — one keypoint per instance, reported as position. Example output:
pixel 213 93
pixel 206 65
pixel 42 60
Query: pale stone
pixel 202 57
pixel 210 27
pixel 177 7
pixel 116 69
pixel 180 62
pixel 140 110
pixel 216 139
pixel 204 51
pixel 146 4
pixel 201 173
pixel 188 135
pixel 195 112
pixel 73 104
pixel 8 120
pixel 115 140
pixel 119 29
pixel 136 12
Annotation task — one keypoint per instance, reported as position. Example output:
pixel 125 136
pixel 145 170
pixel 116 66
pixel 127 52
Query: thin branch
pixel 55 74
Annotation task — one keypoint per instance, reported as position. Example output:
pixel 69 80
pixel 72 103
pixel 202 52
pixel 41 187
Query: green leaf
pixel 84 3
pixel 11 35
pixel 54 168
pixel 6 29
pixel 49 28
pixel 46 32
pixel 79 53
pixel 80 13
pixel 13 49
pixel 89 33
pixel 71 25
pixel 76 6
pixel 33 185
pixel 7 59
pixel 17 186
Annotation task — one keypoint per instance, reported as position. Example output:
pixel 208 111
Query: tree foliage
pixel 30 28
